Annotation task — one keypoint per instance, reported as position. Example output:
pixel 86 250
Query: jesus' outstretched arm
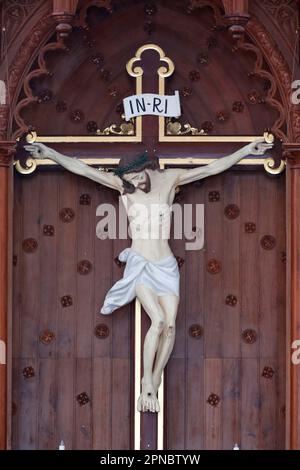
pixel 76 166
pixel 258 147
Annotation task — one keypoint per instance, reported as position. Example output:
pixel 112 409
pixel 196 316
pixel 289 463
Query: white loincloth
pixel 160 276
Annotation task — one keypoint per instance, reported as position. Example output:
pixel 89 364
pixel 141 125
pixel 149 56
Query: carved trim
pixel 260 72
pixel 280 70
pixel 28 49
pixel 41 70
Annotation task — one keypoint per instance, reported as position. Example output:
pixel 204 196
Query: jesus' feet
pixel 148 400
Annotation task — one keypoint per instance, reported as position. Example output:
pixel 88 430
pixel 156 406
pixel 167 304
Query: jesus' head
pixel 133 172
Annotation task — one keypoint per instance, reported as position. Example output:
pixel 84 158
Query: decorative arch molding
pixel 28 51
pixel 37 38
pixel 281 71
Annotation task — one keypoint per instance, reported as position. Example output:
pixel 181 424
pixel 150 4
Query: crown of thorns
pixel 140 160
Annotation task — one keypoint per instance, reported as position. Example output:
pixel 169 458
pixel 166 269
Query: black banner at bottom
pixel 133 459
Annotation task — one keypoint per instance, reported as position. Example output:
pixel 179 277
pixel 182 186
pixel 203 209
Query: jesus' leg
pixel 169 304
pixel 150 301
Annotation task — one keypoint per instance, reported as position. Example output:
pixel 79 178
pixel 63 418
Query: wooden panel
pixel 231 403
pixel 268 420
pixel 268 226
pixel 213 304
pixel 213 414
pixel 66 234
pixel 175 404
pixel 47 398
pixel 83 413
pixel 30 297
pixel 102 403
pixel 194 279
pixel 64 382
pixel 121 408
pixel 86 234
pixel 194 398
pixel 103 277
pixel 250 404
pixel 249 252
pixel 26 396
pixel 231 270
pixel 47 315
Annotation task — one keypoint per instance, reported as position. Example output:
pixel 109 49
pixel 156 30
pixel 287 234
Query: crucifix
pixel 152 274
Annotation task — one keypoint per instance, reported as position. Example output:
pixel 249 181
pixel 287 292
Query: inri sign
pixel 150 103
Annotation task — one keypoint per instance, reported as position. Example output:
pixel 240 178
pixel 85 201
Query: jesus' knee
pixel 169 330
pixel 158 325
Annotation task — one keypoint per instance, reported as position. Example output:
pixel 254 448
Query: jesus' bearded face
pixel 137 179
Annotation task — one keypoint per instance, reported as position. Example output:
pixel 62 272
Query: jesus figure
pixel 151 272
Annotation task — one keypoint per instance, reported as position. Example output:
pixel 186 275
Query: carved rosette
pixel 82 398
pixel 231 300
pixel 30 245
pixel 101 331
pixel 195 331
pixel 85 200
pixel 213 399
pixel 48 230
pixel 47 337
pixel 268 372
pixel 250 227
pixel 214 266
pixel 67 215
pixel 214 196
pixel 268 242
pixel 249 336
pixel 84 267
pixel 66 301
pixel 28 372
pixel 232 211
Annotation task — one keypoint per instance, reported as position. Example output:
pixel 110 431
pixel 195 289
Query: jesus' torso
pixel 149 215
